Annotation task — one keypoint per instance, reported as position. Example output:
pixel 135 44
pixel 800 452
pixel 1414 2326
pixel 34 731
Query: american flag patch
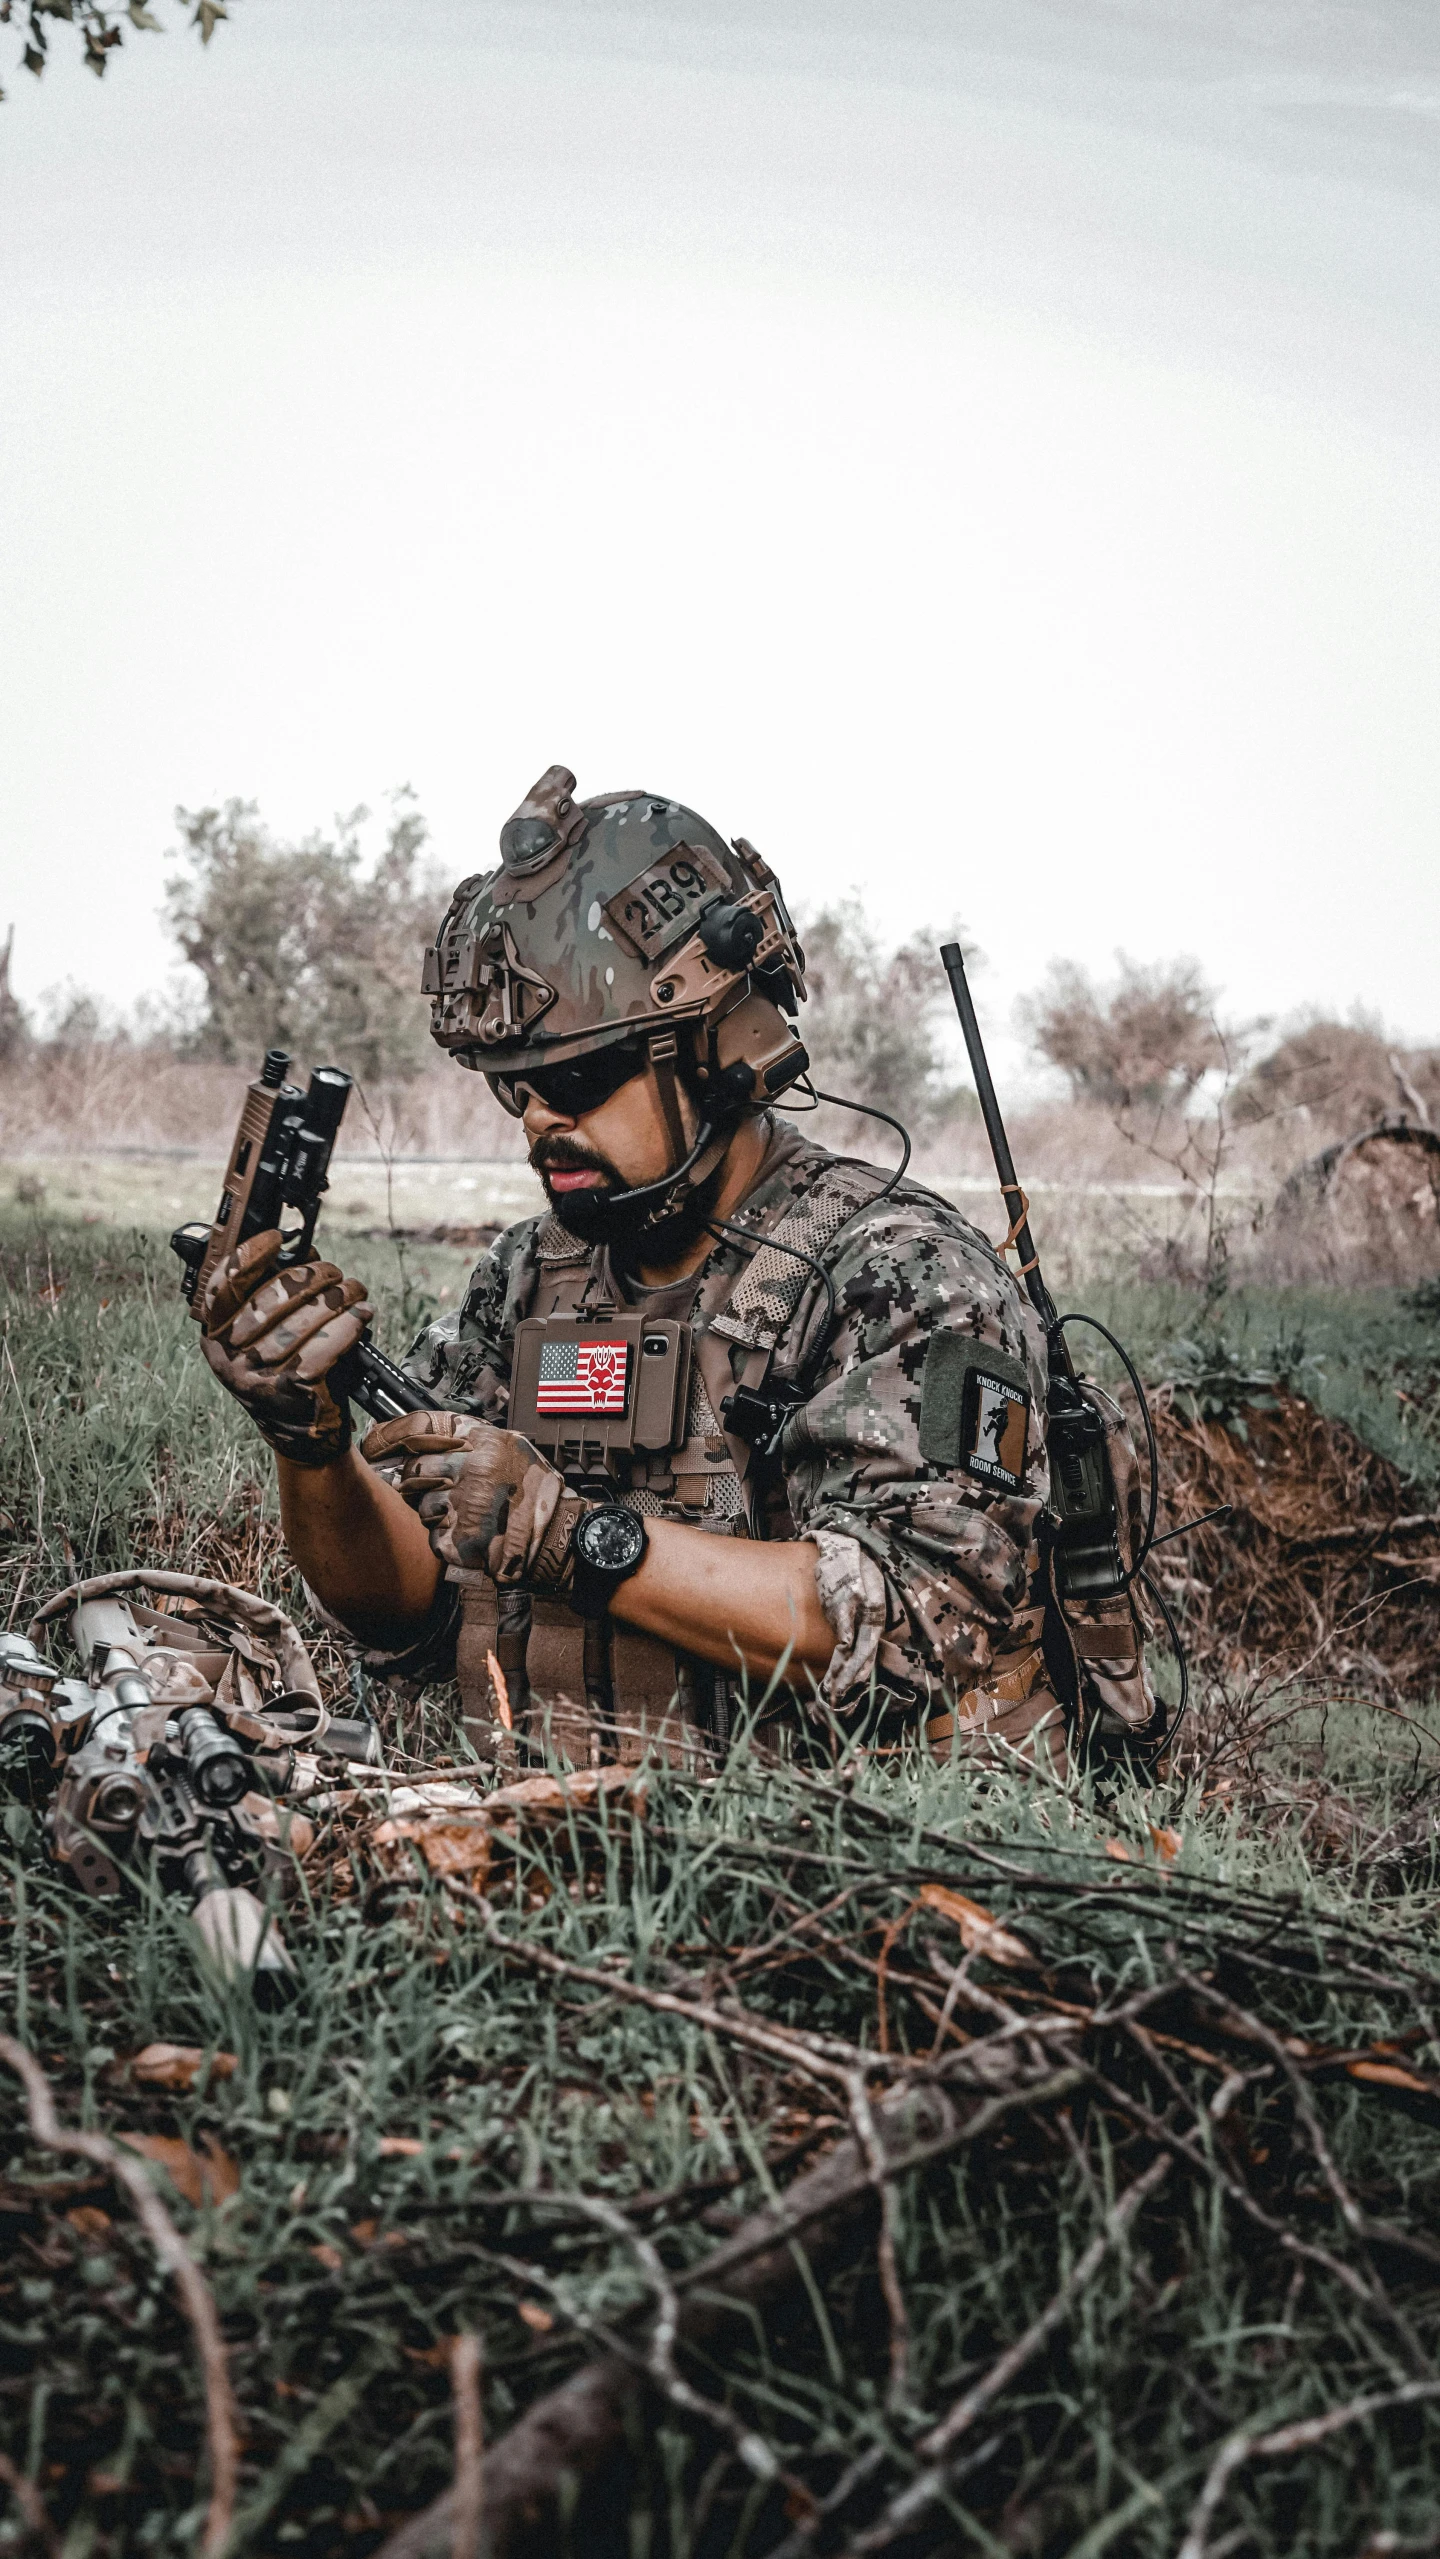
pixel 582 1377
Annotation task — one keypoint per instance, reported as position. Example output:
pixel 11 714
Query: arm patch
pixel 975 1410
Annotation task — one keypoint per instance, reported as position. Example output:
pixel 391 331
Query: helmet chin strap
pixel 673 1189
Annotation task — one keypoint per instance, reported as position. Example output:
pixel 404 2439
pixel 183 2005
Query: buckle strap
pixel 1013 1679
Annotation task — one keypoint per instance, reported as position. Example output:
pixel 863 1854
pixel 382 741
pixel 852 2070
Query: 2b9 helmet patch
pixel 975 1410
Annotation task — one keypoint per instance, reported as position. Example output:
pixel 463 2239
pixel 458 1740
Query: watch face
pixel 611 1540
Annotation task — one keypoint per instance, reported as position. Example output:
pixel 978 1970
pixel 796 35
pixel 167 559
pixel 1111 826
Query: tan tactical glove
pixel 272 1338
pixel 421 1454
pixel 491 1502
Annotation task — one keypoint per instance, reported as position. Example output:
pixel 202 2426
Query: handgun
pixel 280 1162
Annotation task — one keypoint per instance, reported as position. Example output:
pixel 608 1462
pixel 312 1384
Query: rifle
pixel 155 1760
pixel 281 1161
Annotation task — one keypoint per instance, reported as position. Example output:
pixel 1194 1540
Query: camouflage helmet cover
pixel 619 918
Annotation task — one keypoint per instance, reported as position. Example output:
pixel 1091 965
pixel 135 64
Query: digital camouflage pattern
pixel 930 1580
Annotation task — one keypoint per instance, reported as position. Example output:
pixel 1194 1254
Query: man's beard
pixel 604 1215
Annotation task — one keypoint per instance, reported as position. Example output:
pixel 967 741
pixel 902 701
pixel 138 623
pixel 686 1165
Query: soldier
pixel 841 1500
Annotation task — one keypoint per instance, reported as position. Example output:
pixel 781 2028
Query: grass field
pixel 159 1191
pixel 1154 2271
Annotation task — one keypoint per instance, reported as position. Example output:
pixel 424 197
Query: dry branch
pixel 174 2256
pixel 577 2429
pixel 468 2490
pixel 1301 2437
pixel 905 2511
pixel 824 2057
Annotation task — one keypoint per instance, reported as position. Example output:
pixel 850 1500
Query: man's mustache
pixel 553 1153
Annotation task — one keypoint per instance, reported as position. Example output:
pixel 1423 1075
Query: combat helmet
pixel 625 920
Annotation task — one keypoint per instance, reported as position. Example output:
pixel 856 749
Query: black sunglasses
pixel 574 1085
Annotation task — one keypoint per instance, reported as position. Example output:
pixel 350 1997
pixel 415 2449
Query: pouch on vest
pixel 604 1396
pixel 592 1390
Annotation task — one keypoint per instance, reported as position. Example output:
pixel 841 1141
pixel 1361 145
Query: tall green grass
pixel 341 2269
pixel 1368 1357
pixel 116 1446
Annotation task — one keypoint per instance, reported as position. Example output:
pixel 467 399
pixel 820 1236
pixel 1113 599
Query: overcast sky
pixel 984 451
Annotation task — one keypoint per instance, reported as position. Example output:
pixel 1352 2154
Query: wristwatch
pixel 608 1546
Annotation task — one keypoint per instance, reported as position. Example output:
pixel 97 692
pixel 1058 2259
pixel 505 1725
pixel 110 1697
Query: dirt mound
pixel 1365 1212
pixel 1324 1556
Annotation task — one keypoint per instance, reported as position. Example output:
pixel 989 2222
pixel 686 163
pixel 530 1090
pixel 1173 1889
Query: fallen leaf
pixel 212 2177
pixel 583 1787
pixel 1116 1848
pixel 535 2317
pixel 1382 2074
pixel 400 2146
pixel 450 1845
pixel 89 2222
pixel 179 2066
pixel 1168 1844
pixel 106 2483
pixel 456 1830
pixel 364 2231
pixel 980 1931
pixel 328 2257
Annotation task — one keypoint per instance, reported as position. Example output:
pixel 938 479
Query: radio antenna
pixel 1017 1206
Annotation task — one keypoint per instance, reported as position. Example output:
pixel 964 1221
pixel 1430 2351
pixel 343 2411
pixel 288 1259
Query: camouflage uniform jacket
pixel 925 1573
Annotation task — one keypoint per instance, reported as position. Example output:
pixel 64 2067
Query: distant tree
pixel 1148 1039
pixel 873 1021
pixel 14 1028
pixel 71 1017
pixel 307 946
pixel 100 29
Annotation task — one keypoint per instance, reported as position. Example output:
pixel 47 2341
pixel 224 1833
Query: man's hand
pixel 273 1336
pixel 491 1502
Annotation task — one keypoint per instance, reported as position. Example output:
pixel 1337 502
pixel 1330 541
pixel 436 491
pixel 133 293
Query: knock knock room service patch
pixel 1001 1416
pixel 975 1410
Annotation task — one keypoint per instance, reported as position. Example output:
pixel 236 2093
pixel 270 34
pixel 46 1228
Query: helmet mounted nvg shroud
pixel 624 920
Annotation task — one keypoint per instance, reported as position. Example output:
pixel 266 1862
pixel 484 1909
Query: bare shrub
pixel 152 1102
pixel 1141 1050
pixel 1340 1077
pixel 1151 1038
